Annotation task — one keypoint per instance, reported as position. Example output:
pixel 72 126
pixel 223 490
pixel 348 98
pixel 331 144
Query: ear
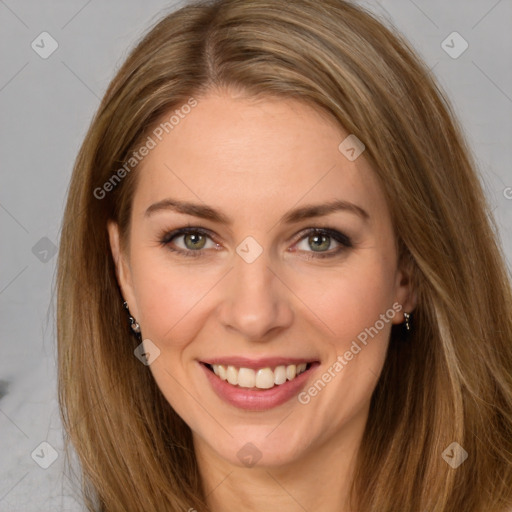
pixel 405 291
pixel 122 266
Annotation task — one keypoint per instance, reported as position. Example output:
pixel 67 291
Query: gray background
pixel 46 106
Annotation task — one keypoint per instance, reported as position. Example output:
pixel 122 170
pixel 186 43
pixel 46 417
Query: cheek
pixel 356 306
pixel 348 299
pixel 169 296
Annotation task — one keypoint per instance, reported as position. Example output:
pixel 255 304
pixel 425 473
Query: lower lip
pixel 257 399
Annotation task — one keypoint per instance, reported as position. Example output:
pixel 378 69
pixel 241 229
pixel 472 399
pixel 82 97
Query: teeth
pixel 246 378
pixel 232 375
pixel 263 378
pixel 291 371
pixel 280 375
pixel 222 371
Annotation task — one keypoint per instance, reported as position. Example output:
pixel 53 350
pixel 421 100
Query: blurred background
pixel 57 60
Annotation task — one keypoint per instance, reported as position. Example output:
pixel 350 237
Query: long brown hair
pixel 452 380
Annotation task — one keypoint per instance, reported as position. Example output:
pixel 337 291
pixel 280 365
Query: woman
pixel 279 285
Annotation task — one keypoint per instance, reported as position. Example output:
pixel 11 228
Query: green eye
pixel 319 242
pixel 194 241
pixel 314 242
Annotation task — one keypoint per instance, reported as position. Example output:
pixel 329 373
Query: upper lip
pixel 264 362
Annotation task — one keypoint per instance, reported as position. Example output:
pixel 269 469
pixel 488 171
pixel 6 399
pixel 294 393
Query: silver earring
pixel 407 317
pixel 133 323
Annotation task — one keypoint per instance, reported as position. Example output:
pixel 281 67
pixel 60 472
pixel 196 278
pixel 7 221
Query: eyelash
pixel 344 241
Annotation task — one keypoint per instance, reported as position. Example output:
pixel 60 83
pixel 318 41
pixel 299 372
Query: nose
pixel 255 302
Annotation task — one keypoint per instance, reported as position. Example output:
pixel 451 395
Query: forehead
pixel 253 156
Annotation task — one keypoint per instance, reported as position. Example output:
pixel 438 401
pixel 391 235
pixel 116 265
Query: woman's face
pixel 250 288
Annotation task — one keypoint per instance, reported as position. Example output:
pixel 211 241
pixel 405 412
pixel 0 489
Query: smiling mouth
pixel 260 378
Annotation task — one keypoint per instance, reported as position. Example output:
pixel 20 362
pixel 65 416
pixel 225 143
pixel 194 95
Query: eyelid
pixel 339 237
pixel 344 243
pixel 167 236
pixel 336 234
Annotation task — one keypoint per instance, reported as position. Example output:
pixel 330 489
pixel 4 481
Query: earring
pixel 407 317
pixel 133 323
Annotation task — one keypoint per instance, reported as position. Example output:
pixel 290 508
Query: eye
pixel 193 241
pixel 318 241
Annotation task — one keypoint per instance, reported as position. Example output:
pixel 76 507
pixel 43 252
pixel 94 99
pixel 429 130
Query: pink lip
pixel 264 362
pixel 257 399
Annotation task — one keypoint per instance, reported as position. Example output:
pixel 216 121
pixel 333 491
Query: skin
pixel 254 160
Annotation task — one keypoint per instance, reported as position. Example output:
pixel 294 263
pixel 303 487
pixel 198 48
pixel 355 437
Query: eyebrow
pixel 294 216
